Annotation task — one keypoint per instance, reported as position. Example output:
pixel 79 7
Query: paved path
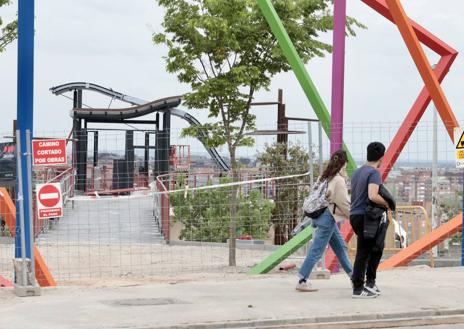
pixel 444 326
pixel 240 302
pixel 106 220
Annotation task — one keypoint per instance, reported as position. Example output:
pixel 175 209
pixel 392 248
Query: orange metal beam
pixel 424 244
pixel 412 119
pixel 8 211
pixel 423 65
pixel 427 38
pixel 42 274
pixel 6 204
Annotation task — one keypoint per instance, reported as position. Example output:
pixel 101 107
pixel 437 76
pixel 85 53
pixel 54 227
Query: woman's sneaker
pixel 305 287
pixel 372 287
pixel 364 294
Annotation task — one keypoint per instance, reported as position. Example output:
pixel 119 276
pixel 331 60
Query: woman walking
pixel 327 230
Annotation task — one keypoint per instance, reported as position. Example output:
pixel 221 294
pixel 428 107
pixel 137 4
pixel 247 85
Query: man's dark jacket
pixel 374 226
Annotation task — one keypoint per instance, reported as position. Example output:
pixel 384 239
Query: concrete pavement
pixel 443 326
pixel 410 296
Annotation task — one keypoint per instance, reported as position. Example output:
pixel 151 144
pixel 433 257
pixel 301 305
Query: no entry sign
pixel 49 201
pixel 48 152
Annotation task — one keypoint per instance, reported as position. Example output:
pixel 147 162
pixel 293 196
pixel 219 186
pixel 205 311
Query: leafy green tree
pixel 226 52
pixel 289 192
pixel 205 214
pixel 8 32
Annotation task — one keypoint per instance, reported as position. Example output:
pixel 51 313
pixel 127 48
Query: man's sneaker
pixel 305 287
pixel 364 293
pixel 373 288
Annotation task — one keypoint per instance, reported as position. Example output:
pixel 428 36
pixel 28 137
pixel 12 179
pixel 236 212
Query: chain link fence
pixel 126 218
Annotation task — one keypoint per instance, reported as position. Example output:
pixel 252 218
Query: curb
pixel 368 321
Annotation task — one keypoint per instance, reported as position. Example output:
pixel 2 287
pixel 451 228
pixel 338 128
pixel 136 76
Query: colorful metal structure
pixel 447 56
pixel 412 34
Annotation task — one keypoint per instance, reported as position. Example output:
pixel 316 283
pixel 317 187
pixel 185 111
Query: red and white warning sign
pixel 49 152
pixel 49 201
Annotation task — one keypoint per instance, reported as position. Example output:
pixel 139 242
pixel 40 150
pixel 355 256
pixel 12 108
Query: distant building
pixel 415 184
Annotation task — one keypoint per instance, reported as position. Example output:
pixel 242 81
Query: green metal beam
pixel 300 71
pixel 283 252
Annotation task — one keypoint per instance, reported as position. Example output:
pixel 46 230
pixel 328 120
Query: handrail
pixel 54 179
pixel 162 209
pixel 66 180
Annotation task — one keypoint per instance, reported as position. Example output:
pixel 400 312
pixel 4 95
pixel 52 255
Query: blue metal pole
pixel 25 110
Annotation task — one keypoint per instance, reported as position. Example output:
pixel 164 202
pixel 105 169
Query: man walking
pixel 365 184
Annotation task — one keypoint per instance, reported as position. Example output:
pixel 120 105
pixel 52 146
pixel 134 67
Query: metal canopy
pixel 275 132
pixel 80 86
pixel 129 112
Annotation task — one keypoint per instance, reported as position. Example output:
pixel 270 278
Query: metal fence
pixel 126 221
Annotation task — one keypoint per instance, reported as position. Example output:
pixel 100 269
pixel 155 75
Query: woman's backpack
pixel 316 202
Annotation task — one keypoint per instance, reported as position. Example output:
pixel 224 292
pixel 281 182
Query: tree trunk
pixel 233 210
pixel 280 236
pixel 294 202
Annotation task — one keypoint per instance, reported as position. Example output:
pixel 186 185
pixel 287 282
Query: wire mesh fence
pixel 135 207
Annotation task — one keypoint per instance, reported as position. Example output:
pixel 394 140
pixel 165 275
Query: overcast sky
pixel 109 43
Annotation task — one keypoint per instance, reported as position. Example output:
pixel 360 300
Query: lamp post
pixel 435 222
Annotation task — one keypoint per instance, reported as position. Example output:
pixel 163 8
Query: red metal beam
pixel 412 119
pixel 448 55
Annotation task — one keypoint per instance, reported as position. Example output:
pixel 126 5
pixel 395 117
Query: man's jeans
pixel 367 256
pixel 327 233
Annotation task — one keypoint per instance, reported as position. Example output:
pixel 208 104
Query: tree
pixel 8 32
pixel 226 52
pixel 289 192
pixel 205 217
